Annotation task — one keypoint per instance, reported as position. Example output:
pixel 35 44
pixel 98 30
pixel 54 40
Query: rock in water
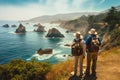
pixel 35 25
pixel 54 33
pixel 20 29
pixel 40 28
pixel 68 31
pixel 44 51
pixel 6 26
pixel 13 26
pixel 64 55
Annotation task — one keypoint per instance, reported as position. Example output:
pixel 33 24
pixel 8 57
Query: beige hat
pixel 79 33
pixel 92 31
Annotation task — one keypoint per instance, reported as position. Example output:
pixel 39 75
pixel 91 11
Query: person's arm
pixel 87 40
pixel 73 43
pixel 70 45
pixel 83 46
pixel 99 41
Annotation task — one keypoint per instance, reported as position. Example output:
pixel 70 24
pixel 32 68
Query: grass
pixel 115 50
pixel 61 71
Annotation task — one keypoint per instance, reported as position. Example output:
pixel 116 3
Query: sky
pixel 27 9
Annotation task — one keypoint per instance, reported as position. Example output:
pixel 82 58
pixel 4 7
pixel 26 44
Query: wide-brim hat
pixel 78 33
pixel 92 31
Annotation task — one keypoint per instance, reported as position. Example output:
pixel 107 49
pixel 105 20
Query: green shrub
pixel 116 33
pixel 118 43
pixel 23 70
pixel 115 37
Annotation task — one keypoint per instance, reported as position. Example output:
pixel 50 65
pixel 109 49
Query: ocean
pixel 24 46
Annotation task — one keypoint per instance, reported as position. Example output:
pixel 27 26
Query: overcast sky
pixel 26 9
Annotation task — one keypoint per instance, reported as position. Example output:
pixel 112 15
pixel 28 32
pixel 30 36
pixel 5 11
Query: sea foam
pixel 44 56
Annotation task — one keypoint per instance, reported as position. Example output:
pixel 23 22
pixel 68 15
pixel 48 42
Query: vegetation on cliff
pixel 107 25
pixel 23 70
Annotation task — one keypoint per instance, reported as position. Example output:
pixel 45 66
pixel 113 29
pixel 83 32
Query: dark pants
pixel 91 57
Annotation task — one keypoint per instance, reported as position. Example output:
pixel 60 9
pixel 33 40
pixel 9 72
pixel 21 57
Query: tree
pixel 118 17
pixel 112 18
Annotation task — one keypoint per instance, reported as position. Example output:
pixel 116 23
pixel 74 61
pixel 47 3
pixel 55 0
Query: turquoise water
pixel 24 46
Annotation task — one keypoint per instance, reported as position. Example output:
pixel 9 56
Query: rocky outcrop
pixel 6 26
pixel 40 28
pixel 111 39
pixel 20 29
pixel 44 51
pixel 13 25
pixel 68 31
pixel 35 25
pixel 67 55
pixel 75 25
pixel 54 33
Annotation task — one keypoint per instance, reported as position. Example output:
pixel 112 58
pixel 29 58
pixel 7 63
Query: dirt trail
pixel 108 67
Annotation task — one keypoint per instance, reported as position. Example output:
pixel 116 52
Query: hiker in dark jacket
pixel 93 43
pixel 78 51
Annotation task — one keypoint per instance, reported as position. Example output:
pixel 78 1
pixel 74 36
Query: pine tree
pixel 112 18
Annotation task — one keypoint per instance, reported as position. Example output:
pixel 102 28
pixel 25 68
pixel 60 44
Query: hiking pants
pixel 91 57
pixel 78 59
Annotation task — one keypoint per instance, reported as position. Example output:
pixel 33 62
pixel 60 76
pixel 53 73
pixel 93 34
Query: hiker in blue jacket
pixel 93 43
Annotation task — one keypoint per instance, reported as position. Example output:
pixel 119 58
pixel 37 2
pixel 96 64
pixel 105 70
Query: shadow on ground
pixel 85 77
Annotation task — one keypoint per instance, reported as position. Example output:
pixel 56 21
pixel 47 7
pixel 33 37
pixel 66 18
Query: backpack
pixel 77 49
pixel 94 44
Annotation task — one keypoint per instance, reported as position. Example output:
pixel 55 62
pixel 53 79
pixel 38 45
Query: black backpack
pixel 77 49
pixel 93 44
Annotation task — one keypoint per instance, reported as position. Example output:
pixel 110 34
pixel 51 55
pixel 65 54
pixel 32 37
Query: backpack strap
pixel 77 50
pixel 79 40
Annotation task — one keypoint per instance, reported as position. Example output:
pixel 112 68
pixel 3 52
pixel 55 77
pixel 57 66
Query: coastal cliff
pixel 107 59
pixel 106 24
pixel 62 71
pixel 76 25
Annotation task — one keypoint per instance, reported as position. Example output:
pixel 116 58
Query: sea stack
pixel 54 33
pixel 20 29
pixel 44 51
pixel 6 26
pixel 40 28
pixel 13 25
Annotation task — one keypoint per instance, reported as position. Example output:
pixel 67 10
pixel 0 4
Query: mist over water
pixel 24 46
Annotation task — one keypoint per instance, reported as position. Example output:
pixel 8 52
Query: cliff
pixel 108 63
pixel 58 17
pixel 64 70
pixel 76 25
pixel 107 25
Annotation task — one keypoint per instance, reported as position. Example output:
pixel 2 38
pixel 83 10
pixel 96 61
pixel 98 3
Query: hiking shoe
pixel 93 74
pixel 87 74
pixel 80 75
